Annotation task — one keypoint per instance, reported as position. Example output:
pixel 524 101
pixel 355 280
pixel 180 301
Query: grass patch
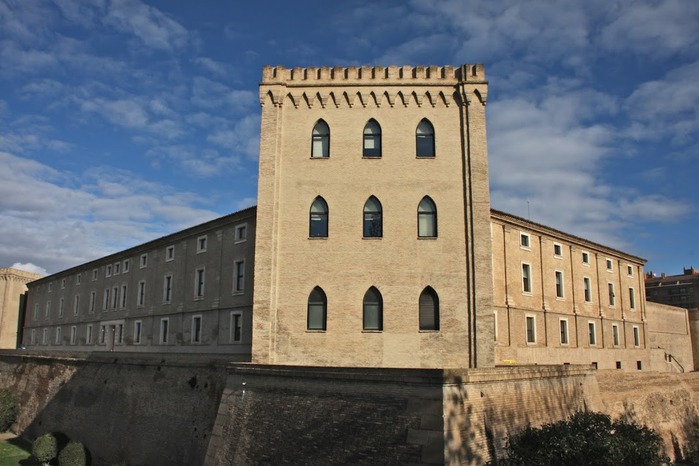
pixel 15 452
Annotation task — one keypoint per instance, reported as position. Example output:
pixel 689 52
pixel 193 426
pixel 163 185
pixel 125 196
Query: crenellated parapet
pixel 372 86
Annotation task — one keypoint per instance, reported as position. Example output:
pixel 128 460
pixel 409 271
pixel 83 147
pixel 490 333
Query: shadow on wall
pixel 124 408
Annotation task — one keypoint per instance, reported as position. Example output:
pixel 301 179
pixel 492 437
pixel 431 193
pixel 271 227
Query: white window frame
pixel 585 258
pixel 115 297
pixel 202 244
pixel 105 304
pixel 592 333
pixel 615 334
pixel 144 261
pixel 199 282
pixel 587 289
pixel 629 270
pixel 36 311
pixel 195 335
pixel 88 334
pixel 73 334
pixel 108 270
pixel 231 330
pixel 93 299
pixel 59 336
pixel 78 279
pixel 239 277
pixel 47 313
pixel 612 294
pixel 560 284
pixel 632 298
pixel 558 250
pixel 50 287
pixel 103 334
pixel 137 330
pixel 117 268
pixel 167 289
pixel 528 288
pixel 61 307
pixel 45 336
pixel 525 241
pixel 530 318
pixel 63 283
pixel 164 331
pixel 95 274
pixel 561 324
pixel 243 227
pixel 76 305
pixel 124 295
pixel 32 338
pixel 636 337
pixel 610 265
pixel 125 266
pixel 170 253
pixel 120 334
pixel 141 298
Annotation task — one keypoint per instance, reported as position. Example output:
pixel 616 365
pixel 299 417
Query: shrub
pixel 45 449
pixel 8 409
pixel 74 454
pixel 587 438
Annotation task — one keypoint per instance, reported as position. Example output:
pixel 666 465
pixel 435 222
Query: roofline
pixel 504 216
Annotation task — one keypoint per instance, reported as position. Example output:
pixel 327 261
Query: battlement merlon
pixel 374 75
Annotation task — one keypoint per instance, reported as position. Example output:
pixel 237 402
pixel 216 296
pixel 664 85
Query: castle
pixel 373 244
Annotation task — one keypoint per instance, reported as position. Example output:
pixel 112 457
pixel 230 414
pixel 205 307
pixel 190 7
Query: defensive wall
pixel 194 410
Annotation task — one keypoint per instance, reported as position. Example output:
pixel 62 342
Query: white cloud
pixel 29 267
pixel 150 25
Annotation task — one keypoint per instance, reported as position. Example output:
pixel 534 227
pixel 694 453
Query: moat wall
pixel 193 410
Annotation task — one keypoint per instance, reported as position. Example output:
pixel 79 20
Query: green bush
pixel 587 438
pixel 74 454
pixel 8 409
pixel 45 449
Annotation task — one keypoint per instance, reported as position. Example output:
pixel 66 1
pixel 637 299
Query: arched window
pixel 373 218
pixel 424 139
pixel 372 139
pixel 429 309
pixel 317 310
pixel 373 310
pixel 426 218
pixel 318 219
pixel 320 147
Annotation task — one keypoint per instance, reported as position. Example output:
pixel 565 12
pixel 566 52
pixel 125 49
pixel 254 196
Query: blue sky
pixel 125 120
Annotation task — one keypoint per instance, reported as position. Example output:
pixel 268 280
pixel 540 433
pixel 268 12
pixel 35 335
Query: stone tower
pixel 373 221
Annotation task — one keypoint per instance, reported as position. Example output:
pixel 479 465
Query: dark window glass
pixel 373 218
pixel 317 310
pixel 424 139
pixel 320 147
pixel 373 310
pixel 318 222
pixel 427 218
pixel 429 310
pixel 372 139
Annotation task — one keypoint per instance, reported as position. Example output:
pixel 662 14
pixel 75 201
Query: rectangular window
pixel 108 272
pixel 241 233
pixel 58 336
pixel 144 261
pixel 60 307
pixel 120 333
pixel 563 323
pixel 36 311
pixel 63 283
pixel 115 297
pixel 239 282
pixel 50 287
pixel 615 334
pixel 78 279
pixel 196 329
pixel 557 250
pixel 88 334
pixel 639 365
pixel 618 364
pixel 236 332
pixel 201 244
pixel 636 337
pixel 526 278
pixel 48 309
pixel 103 334
pixel 45 337
pixel 141 293
pixel 167 289
pixel 632 299
pixel 76 305
pixel 199 283
pixel 531 329
pixel 93 298
pixel 123 296
pixel 116 268
pixel 73 334
pixel 609 265
pixel 495 326
pixel 95 274
pixel 169 253
pixel 137 332
pixel 588 289
pixel 612 297
pixel 164 330
pixel 32 340
pixel 585 258
pixel 592 334
pixel 629 270
pixel 524 240
pixel 106 299
pixel 127 265
pixel 559 284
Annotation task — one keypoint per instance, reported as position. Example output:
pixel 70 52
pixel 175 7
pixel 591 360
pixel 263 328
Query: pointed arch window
pixel 372 139
pixel 318 219
pixel 373 310
pixel 424 139
pixel 317 310
pixel 427 218
pixel 320 146
pixel 373 218
pixel 429 309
